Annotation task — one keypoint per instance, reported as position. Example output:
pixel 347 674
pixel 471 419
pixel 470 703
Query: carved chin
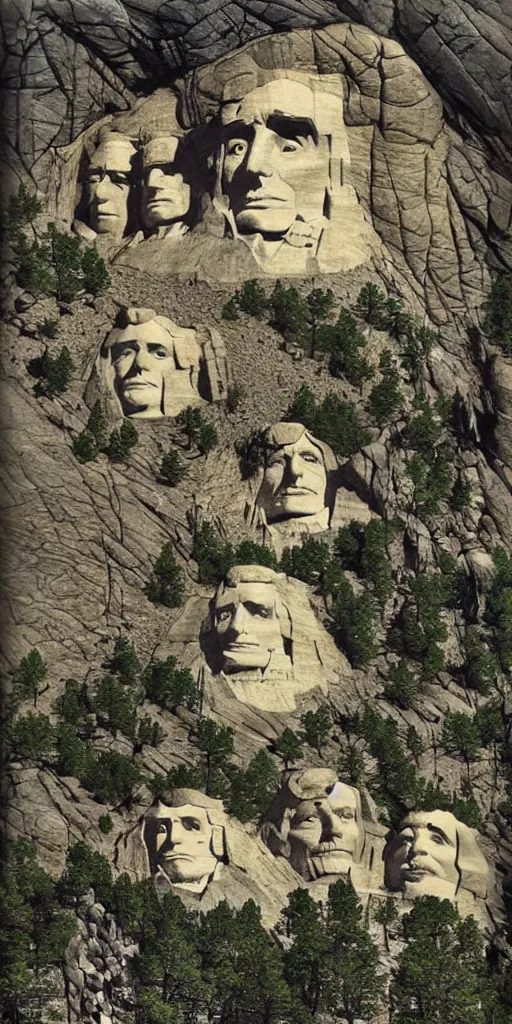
pixel 296 506
pixel 269 221
pixel 336 863
pixel 430 885
pixel 238 661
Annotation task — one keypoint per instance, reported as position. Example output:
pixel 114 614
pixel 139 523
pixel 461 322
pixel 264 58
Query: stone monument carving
pixel 149 367
pixel 261 637
pixel 434 854
pixel 166 194
pixel 297 492
pixel 184 839
pixel 316 823
pixel 187 843
pixel 109 190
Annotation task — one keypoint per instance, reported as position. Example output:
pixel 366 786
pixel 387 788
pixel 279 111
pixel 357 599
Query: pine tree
pixel 95 276
pixel 320 303
pixel 30 736
pixel 252 790
pixel 439 973
pixel 97 425
pixel 28 676
pixel 386 398
pixel 288 747
pixel 386 914
pixel 85 447
pixel 371 305
pixel 56 373
pixel 124 662
pixel 498 313
pixel 172 468
pixel 170 686
pixel 166 585
pixel 251 298
pixel 306 961
pixel 216 745
pixel 317 726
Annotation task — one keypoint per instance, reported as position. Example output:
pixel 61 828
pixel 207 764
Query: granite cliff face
pixel 404 111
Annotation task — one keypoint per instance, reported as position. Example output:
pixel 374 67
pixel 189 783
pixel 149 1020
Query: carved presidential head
pixel 150 364
pixel 316 822
pixel 276 160
pixel 110 179
pixel 434 854
pixel 250 620
pixel 183 832
pixel 295 474
pixel 166 194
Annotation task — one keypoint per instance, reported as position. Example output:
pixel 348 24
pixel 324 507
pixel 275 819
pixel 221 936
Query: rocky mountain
pixel 257 540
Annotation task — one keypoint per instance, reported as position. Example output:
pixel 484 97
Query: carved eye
pixel 118 178
pixel 191 824
pixel 224 616
pixel 311 458
pixel 161 829
pixel 237 147
pixel 438 840
pixel 158 350
pixel 94 177
pixel 290 147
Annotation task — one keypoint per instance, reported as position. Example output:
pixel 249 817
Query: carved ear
pixel 219 842
pixel 274 841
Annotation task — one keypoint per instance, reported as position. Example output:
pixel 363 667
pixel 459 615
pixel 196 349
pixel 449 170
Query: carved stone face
pixel 294 481
pixel 324 833
pixel 166 196
pixel 108 186
pixel 183 839
pixel 143 360
pixel 247 623
pixel 422 859
pixel 276 166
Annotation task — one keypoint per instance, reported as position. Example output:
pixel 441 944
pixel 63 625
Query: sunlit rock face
pixel 316 823
pixel 434 854
pixel 165 192
pixel 110 182
pixel 262 638
pixel 149 366
pixel 184 838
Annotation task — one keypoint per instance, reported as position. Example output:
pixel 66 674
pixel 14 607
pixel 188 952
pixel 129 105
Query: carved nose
pixel 258 159
pixel 239 620
pixel 295 467
pixel 154 178
pixel 101 190
pixel 331 825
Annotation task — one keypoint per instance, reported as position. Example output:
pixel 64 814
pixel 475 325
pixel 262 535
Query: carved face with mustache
pixel 422 857
pixel 324 833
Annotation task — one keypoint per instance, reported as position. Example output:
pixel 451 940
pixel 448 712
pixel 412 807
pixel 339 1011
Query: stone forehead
pixel 284 433
pixel 282 95
pixel 312 783
pixel 161 150
pixel 250 574
pixel 444 820
pixel 114 149
pixel 189 797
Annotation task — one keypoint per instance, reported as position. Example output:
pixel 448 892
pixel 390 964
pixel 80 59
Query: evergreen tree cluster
pixel 305 320
pixel 95 438
pixel 222 965
pixel 49 262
